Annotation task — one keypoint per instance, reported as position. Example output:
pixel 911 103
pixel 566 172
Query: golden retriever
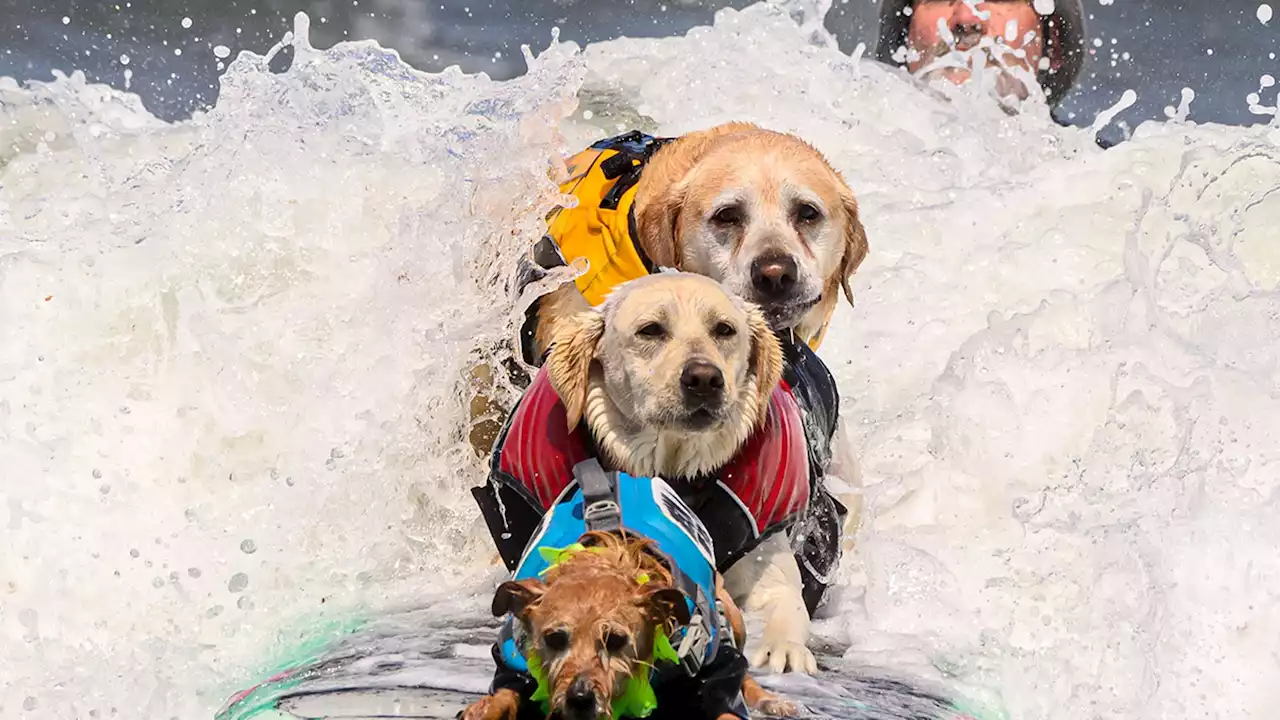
pixel 672 374
pixel 761 211
pixel 595 625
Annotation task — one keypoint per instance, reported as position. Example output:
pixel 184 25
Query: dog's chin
pixel 786 314
pixel 701 419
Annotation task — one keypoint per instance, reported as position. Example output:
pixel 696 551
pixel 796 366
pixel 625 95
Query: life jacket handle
pixel 600 509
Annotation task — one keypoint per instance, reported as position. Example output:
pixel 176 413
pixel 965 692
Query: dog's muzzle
pixel 702 385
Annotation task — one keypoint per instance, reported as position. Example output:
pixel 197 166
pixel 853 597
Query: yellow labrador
pixel 761 211
pixel 672 376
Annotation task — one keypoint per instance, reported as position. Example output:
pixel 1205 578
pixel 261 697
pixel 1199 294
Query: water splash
pixel 201 312
pixel 1061 372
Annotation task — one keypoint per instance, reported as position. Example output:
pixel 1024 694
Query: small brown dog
pixel 593 623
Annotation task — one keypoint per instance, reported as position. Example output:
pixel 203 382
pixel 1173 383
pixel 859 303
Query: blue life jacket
pixel 645 507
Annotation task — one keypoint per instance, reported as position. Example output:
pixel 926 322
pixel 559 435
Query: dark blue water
pixel 1155 47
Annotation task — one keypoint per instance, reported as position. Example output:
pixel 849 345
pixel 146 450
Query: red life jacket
pixel 761 491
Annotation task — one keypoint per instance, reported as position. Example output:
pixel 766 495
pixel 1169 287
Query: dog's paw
pixel 783 655
pixel 777 707
pixel 500 706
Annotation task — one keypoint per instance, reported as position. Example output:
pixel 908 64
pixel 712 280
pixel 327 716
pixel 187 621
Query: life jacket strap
pixel 600 509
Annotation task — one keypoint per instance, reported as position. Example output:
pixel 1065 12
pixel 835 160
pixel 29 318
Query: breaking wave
pixel 229 404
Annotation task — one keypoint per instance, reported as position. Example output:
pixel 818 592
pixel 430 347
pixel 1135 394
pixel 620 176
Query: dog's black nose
pixel 701 379
pixel 580 701
pixel 774 276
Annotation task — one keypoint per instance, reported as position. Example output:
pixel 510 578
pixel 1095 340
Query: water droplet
pixel 124 59
pixel 1264 13
pixel 177 51
pixel 66 20
pixel 133 552
pixel 193 572
pixel 238 582
pixel 104 489
pixel 97 474
pixel 30 703
pixel 248 547
pixel 221 52
pixel 186 22
pixel 244 603
pixel 157 582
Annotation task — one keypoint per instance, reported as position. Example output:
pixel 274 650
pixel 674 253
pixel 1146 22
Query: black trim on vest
pixel 818 532
pixel 649 265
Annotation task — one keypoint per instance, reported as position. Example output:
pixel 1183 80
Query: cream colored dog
pixel 672 375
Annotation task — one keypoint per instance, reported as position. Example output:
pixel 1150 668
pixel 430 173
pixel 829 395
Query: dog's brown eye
pixel 615 642
pixel 725 330
pixel 556 640
pixel 651 330
pixel 807 212
pixel 727 215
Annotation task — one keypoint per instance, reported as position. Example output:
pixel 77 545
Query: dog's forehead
pixel 674 295
pixel 573 601
pixel 768 166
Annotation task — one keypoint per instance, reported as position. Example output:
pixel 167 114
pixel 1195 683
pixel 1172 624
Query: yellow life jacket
pixel 596 237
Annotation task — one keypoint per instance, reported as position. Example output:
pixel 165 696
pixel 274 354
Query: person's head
pixel 952 38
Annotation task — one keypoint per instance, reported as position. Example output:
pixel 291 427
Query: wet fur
pixel 602 376
pixel 674 196
pixel 594 593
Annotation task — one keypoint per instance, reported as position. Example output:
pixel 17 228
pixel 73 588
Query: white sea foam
pixel 1061 372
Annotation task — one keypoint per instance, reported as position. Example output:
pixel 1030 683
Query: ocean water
pixel 229 410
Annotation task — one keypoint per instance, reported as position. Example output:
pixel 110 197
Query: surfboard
pixel 418 664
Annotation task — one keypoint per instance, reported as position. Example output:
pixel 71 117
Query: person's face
pixel 1008 33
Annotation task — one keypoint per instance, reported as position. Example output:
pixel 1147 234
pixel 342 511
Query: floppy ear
pixel 515 596
pixel 658 226
pixel 766 360
pixel 856 246
pixel 667 604
pixel 569 363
